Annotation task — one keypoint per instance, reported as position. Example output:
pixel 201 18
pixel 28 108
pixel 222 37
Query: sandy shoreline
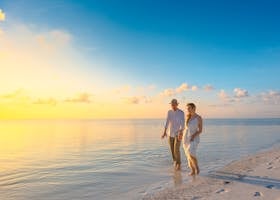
pixel 253 177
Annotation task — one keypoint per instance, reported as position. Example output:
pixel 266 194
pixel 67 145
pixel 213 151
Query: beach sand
pixel 253 177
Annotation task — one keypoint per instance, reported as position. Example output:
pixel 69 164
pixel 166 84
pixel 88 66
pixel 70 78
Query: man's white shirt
pixel 175 121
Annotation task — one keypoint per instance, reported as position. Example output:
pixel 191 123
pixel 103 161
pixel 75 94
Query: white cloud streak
pixel 2 15
pixel 80 98
pixel 180 89
pixel 138 100
pixel 48 101
pixel 240 93
pixel 223 95
pixel 208 87
pixel 194 88
pixel 123 89
pixel 272 97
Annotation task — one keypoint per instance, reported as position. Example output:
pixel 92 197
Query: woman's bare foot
pixel 192 173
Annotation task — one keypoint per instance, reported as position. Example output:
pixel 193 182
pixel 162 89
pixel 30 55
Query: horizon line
pixel 70 119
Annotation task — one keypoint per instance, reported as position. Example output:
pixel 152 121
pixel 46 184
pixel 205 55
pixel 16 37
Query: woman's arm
pixel 200 126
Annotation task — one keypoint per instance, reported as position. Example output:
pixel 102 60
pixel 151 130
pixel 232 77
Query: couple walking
pixel 176 123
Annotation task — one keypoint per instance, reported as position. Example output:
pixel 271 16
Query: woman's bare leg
pixel 191 165
pixel 195 164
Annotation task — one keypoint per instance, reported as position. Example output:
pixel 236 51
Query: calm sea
pixel 112 159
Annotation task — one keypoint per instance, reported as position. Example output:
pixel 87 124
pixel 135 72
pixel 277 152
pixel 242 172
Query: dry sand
pixel 254 177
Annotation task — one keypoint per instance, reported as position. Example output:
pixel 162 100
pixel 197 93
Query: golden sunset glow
pixel 46 73
pixel 138 99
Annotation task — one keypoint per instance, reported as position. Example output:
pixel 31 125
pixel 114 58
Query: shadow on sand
pixel 254 180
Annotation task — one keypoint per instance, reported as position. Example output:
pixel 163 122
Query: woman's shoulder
pixel 198 117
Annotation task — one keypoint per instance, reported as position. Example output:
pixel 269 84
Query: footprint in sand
pixel 277 158
pixel 226 182
pixel 240 176
pixel 270 186
pixel 257 194
pixel 221 191
pixel 269 167
pixel 195 198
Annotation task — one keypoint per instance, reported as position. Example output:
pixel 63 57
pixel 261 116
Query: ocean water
pixel 113 159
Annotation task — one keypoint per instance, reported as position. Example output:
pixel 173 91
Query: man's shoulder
pixel 181 111
pixel 178 110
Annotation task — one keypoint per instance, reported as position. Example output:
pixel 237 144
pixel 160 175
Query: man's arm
pixel 166 126
pixel 183 122
pixel 182 126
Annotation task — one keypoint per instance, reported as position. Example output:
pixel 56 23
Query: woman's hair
pixel 192 105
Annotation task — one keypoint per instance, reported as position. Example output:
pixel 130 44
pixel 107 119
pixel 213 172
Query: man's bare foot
pixel 197 171
pixel 178 167
pixel 191 173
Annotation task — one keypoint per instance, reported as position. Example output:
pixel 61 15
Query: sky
pixel 128 59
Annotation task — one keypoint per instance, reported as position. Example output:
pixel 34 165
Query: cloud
pixel 122 89
pixel 272 97
pixel 139 90
pixel 49 101
pixel 208 87
pixel 183 87
pixel 180 89
pixel 240 93
pixel 2 15
pixel 138 99
pixel 18 96
pixel 133 100
pixel 80 98
pixel 219 105
pixel 152 87
pixel 15 94
pixel 168 92
pixel 223 95
pixel 194 88
pixel 53 39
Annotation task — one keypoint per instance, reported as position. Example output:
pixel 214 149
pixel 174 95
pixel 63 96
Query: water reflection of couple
pixel 175 122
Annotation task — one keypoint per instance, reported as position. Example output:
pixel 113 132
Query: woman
pixel 191 137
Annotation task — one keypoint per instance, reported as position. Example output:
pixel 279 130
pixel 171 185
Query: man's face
pixel 174 106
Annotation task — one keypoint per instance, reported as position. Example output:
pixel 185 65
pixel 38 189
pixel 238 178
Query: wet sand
pixel 253 177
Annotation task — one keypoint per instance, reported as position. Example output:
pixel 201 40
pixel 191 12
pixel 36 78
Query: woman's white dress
pixel 190 147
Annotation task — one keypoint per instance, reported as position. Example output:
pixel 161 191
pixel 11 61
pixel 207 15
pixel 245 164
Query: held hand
pixel 192 138
pixel 180 137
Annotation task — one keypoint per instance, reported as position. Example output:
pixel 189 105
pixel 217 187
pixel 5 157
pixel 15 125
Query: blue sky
pixel 228 44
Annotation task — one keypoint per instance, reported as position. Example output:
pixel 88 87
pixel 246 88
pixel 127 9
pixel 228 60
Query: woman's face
pixel 190 109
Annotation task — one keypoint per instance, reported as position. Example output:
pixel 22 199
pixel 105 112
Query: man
pixel 176 123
